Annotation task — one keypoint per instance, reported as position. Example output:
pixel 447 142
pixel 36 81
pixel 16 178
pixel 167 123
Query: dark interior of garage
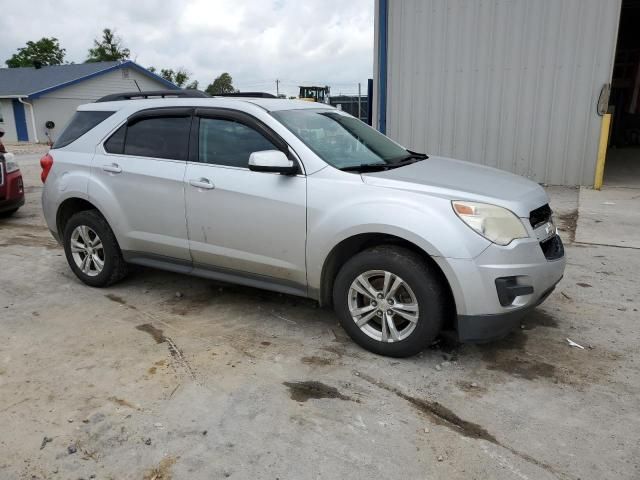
pixel 623 158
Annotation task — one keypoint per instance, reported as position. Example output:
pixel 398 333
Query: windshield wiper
pixel 410 156
pixel 367 167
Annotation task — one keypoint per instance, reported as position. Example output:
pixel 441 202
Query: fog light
pixel 508 289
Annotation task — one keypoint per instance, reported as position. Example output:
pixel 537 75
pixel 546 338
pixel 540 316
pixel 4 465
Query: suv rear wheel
pixel 92 250
pixel 389 301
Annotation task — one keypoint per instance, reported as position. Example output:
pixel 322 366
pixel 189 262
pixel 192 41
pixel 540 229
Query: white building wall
pixel 512 84
pixel 60 105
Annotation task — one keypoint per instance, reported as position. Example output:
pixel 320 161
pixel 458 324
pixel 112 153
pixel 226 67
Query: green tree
pixel 179 77
pixel 45 51
pixel 222 84
pixel 108 49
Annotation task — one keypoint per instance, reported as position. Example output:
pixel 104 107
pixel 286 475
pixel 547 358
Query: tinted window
pixel 80 124
pixel 115 144
pixel 159 137
pixel 225 142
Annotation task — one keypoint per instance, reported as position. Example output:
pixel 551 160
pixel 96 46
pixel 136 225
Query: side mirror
pixel 273 161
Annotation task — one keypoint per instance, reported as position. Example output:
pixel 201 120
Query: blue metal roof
pixel 33 82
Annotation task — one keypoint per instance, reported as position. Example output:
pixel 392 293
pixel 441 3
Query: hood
pixel 459 180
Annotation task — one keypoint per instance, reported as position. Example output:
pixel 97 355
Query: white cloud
pixel 256 41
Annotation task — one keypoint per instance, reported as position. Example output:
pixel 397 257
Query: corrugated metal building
pixel 31 97
pixel 513 84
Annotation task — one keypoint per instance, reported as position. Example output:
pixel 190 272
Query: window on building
pixel 226 142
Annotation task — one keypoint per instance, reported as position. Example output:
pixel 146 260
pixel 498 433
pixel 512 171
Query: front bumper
pixel 527 272
pixel 485 328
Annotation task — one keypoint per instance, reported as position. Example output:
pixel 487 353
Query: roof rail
pixel 246 94
pixel 188 93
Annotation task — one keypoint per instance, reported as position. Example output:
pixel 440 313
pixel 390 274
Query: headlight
pixel 494 223
pixel 10 163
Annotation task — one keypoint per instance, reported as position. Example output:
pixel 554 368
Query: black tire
pixel 418 275
pixel 8 213
pixel 115 268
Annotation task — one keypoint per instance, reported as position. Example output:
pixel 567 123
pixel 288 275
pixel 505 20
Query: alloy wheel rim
pixel 383 306
pixel 87 250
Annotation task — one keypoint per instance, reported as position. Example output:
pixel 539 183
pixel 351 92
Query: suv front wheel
pixel 389 301
pixel 92 250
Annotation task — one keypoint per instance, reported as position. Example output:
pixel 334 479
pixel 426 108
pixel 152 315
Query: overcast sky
pixel 256 41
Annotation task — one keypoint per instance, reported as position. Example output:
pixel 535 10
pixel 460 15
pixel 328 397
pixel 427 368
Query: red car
pixel 11 187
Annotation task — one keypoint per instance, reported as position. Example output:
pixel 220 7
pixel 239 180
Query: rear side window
pixel 115 144
pixel 80 124
pixel 226 142
pixel 157 137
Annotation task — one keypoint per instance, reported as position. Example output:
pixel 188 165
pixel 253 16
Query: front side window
pixel 158 137
pixel 342 140
pixel 230 143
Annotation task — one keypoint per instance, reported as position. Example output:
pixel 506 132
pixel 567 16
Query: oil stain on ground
pixel 119 300
pixel 508 355
pixel 441 415
pixel 303 391
pixel 437 412
pixel 569 222
pixel 158 335
pixel 122 402
pixel 317 361
pixel 29 240
pixel 539 318
pixel 162 471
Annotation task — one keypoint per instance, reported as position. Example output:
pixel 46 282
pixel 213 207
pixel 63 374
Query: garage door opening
pixel 622 168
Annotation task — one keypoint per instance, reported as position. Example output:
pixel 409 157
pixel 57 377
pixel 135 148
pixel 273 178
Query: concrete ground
pixel 135 382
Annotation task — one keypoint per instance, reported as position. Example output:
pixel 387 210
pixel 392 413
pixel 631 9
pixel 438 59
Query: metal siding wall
pixel 507 83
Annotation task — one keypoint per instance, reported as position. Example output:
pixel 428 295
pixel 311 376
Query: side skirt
pixel 215 273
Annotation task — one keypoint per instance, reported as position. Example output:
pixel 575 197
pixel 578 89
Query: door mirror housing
pixel 273 161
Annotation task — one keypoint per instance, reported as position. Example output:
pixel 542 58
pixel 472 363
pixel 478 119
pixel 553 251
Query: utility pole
pixel 359 103
pixel 277 87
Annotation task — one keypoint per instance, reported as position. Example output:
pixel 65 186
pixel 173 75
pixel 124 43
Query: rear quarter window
pixel 80 124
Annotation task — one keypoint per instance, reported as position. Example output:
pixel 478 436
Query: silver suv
pixel 304 199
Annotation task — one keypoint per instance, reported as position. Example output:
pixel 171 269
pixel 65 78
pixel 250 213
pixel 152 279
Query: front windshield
pixel 339 139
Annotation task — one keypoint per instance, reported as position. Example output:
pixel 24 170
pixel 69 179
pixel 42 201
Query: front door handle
pixel 113 168
pixel 203 183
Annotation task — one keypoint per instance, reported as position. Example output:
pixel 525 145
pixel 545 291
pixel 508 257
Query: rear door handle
pixel 113 168
pixel 203 183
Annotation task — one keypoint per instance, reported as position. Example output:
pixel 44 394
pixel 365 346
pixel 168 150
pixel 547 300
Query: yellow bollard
pixel 602 151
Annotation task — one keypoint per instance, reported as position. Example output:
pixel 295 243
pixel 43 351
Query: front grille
pixel 552 248
pixel 540 216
